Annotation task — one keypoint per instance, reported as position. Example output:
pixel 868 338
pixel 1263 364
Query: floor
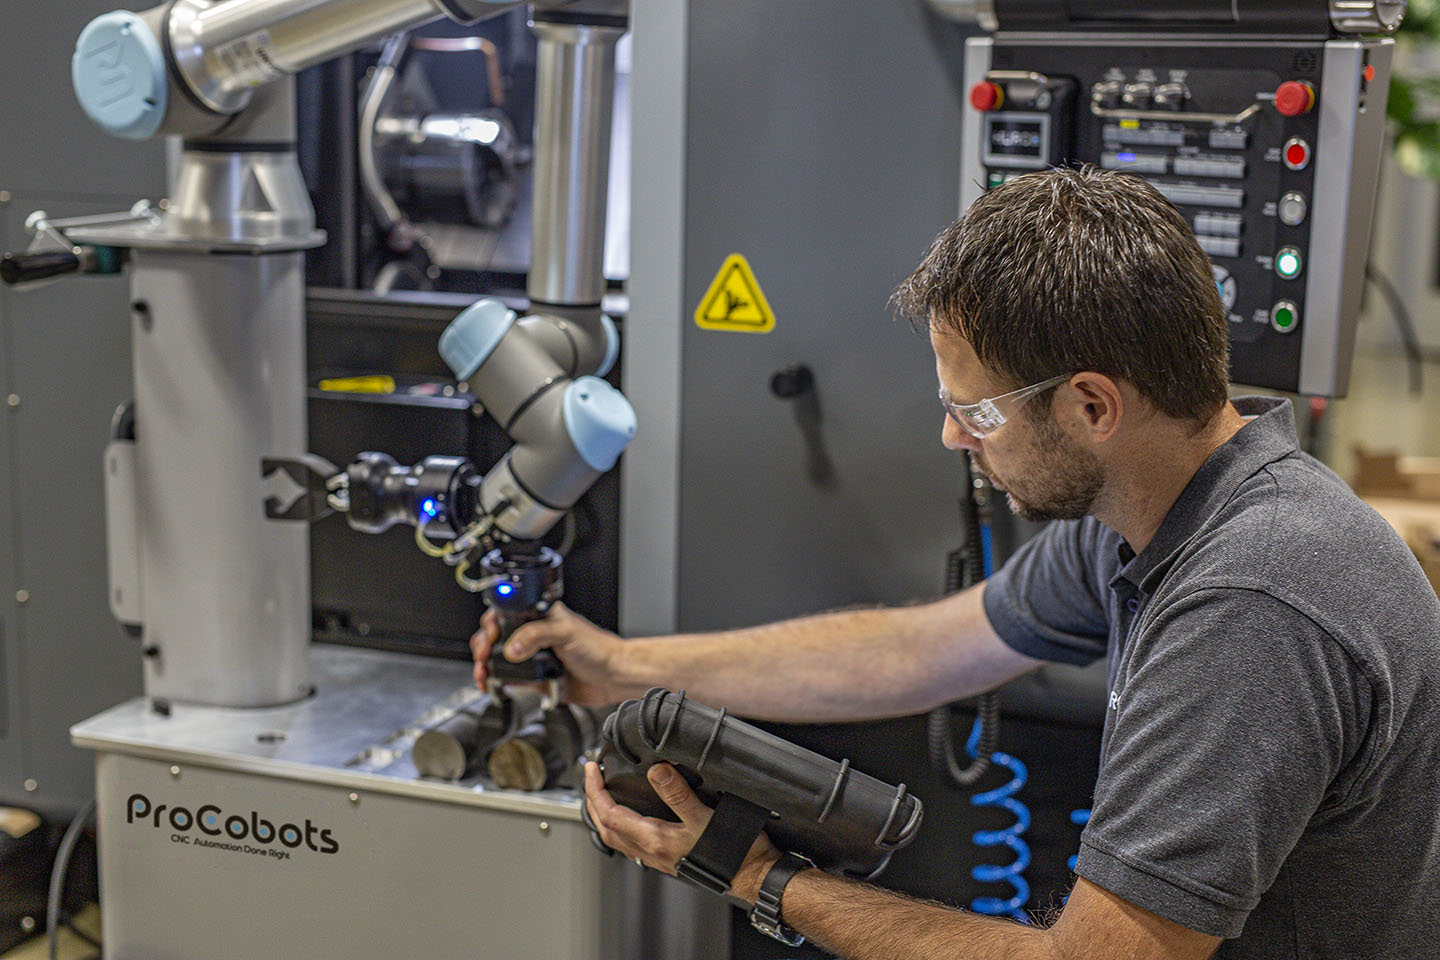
pixel 71 946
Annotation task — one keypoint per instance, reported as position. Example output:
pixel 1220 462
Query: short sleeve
pixel 1048 601
pixel 1223 742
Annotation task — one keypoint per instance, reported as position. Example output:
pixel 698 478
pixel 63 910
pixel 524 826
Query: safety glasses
pixel 985 417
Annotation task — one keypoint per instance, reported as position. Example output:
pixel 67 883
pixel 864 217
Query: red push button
pixel 1297 154
pixel 1369 73
pixel 986 96
pixel 1294 97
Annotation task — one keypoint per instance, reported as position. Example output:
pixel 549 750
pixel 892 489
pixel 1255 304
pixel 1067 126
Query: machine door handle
pixel 24 267
pixel 792 382
pixel 797 385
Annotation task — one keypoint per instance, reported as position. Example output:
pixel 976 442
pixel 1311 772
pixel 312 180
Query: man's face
pixel 1045 474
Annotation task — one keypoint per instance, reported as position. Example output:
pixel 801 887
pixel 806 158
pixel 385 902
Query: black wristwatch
pixel 765 915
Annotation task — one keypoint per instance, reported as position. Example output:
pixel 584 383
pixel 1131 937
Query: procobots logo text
pixel 211 826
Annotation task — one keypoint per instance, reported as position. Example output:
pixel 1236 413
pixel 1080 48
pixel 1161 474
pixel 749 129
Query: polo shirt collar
pixel 1262 441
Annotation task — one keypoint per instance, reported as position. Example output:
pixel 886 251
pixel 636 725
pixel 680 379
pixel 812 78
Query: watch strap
pixel 765 915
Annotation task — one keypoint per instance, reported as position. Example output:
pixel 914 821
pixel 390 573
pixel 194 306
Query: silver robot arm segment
pixel 188 66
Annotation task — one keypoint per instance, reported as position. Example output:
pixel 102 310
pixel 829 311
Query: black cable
pixel 964 568
pixel 1409 339
pixel 57 876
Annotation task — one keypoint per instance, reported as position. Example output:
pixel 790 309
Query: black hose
pixel 57 876
pixel 964 568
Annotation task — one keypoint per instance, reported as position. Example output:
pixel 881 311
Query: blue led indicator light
pixel 504 589
pixel 1126 157
pixel 429 507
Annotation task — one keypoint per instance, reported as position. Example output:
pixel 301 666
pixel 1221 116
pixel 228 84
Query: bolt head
pixel 544 826
pixel 174 771
pixel 13 400
pixel 27 924
pixel 31 786
pixel 22 596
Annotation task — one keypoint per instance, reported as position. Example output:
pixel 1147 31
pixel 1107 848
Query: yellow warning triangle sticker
pixel 735 300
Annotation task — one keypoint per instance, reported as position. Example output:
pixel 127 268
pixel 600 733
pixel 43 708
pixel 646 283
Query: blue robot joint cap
pixel 472 336
pixel 118 72
pixel 599 419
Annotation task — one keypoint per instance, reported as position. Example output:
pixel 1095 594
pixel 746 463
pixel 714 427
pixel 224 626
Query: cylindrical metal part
pixel 525 761
pixel 219 364
pixel 1367 16
pixel 574 97
pixel 458 746
pixel 223 49
pixel 545 752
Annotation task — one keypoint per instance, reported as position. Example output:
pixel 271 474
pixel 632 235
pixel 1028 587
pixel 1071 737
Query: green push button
pixel 994 180
pixel 1284 316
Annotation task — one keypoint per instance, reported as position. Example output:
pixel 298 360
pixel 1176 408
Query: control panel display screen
pixel 1017 140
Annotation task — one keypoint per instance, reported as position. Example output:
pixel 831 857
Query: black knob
pixel 1171 96
pixel 20 268
pixel 792 382
pixel 1107 94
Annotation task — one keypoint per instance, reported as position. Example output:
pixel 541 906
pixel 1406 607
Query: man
pixel 1270 767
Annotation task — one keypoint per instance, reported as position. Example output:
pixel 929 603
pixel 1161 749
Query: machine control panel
pixel 1261 145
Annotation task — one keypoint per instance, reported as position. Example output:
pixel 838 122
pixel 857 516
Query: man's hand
pixel 660 844
pixel 587 652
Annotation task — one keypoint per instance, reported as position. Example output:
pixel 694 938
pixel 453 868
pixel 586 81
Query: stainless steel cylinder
pixel 223 49
pixel 574 98
pixel 1367 16
pixel 219 356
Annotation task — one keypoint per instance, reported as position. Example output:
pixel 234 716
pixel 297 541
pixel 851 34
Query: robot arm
pixel 189 66
pixel 540 379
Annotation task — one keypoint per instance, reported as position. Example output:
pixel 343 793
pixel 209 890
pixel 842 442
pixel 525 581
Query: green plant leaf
pixel 1401 105
pixel 1417 150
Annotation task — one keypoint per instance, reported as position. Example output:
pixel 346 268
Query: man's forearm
pixel 850 665
pixel 860 922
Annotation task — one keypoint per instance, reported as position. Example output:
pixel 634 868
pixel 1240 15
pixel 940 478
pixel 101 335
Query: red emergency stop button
pixel 1294 97
pixel 1297 154
pixel 985 96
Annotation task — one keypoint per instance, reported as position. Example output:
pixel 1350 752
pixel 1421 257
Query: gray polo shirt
pixel 1270 766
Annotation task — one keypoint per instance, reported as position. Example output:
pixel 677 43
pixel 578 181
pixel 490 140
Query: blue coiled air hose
pixel 1079 818
pixel 1013 872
